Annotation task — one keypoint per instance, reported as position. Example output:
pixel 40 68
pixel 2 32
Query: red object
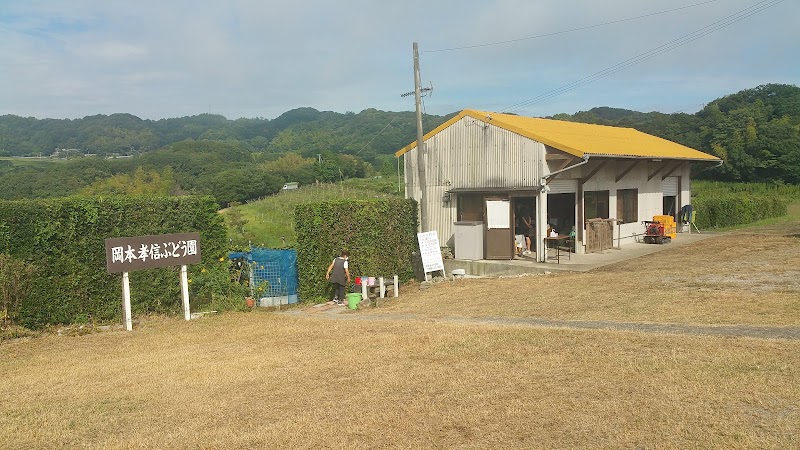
pixel 654 233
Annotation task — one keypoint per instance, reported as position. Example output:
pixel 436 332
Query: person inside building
pixel 523 227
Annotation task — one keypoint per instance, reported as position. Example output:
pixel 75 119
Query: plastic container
pixel 353 300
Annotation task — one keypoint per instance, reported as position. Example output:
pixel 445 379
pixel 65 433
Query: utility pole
pixel 422 179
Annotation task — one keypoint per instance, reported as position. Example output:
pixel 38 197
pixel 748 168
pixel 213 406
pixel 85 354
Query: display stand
pixel 431 253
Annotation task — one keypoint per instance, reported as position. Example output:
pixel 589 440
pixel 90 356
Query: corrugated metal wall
pixel 471 154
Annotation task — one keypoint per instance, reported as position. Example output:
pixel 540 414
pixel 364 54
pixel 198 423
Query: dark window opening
pixel 596 204
pixel 628 205
pixel 470 207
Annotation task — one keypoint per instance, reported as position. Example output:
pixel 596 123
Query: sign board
pixel 498 213
pixel 147 252
pixel 430 251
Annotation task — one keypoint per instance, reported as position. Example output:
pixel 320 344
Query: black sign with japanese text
pixel 147 252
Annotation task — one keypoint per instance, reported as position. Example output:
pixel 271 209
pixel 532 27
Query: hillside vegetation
pixel 756 132
pixel 269 222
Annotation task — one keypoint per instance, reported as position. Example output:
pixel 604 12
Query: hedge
pixel 380 235
pixel 731 209
pixel 64 239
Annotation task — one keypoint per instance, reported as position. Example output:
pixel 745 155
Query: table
pixel 555 242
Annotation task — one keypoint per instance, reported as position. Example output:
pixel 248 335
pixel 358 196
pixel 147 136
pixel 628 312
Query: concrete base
pixel 486 268
pixel 569 263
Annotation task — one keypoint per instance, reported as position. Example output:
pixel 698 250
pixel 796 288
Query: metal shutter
pixel 670 186
pixel 566 186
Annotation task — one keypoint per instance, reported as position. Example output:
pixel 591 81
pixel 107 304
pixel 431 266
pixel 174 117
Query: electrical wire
pixel 683 40
pixel 511 41
pixel 373 137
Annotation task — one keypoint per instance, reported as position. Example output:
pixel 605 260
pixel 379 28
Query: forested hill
pixel 756 131
pixel 304 130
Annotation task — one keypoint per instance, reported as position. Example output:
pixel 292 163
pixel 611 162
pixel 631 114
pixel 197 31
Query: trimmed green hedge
pixel 736 209
pixel 64 239
pixel 380 235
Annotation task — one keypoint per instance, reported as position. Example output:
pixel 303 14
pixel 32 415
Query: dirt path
pixel 749 331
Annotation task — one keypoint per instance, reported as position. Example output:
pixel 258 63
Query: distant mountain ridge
pixel 756 131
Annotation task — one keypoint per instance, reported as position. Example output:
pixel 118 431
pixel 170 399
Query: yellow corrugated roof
pixel 580 139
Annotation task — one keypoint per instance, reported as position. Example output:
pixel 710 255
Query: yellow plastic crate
pixel 670 229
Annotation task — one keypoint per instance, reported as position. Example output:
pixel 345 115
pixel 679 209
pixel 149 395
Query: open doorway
pixel 524 209
pixel 561 212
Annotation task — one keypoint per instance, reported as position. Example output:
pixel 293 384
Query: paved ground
pixel 749 331
pixel 570 262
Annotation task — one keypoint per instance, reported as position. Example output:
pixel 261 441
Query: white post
pixel 126 302
pixel 382 287
pixel 364 294
pixel 187 314
pixel 396 287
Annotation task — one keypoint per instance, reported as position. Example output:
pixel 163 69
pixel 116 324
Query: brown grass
pixel 738 278
pixel 263 380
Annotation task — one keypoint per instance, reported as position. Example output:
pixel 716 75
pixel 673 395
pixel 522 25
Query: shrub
pixel 725 210
pixel 64 239
pixel 15 283
pixel 380 235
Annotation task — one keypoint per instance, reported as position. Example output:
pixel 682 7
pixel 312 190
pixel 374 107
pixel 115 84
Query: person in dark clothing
pixel 338 275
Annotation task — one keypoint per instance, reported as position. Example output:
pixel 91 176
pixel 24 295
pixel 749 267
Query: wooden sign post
pixel 148 252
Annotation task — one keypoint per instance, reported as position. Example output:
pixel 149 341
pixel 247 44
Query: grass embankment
pixel 263 380
pixel 269 222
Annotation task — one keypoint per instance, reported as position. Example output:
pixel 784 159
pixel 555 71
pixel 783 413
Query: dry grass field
pixel 269 380
pixel 749 277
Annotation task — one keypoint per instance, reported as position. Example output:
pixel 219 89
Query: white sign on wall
pixel 498 214
pixel 430 251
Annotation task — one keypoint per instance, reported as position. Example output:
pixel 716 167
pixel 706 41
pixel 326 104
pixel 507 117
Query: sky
pixel 260 58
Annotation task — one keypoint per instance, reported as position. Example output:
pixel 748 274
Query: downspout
pixel 721 162
pixel 543 181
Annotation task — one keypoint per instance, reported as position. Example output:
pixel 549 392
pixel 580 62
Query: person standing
pixel 338 275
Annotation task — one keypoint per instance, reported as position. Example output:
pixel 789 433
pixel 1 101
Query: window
pixel 595 204
pixel 470 207
pixel 628 205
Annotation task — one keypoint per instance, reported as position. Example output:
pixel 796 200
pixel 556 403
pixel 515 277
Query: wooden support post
pixel 396 287
pixel 382 287
pixel 185 293
pixel 126 302
pixel 364 292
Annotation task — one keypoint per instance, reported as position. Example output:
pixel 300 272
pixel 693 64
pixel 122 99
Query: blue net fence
pixel 273 274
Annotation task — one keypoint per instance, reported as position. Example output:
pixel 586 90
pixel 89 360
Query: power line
pixel 511 41
pixel 683 40
pixel 373 137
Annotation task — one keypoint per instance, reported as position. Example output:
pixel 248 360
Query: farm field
pixel 398 376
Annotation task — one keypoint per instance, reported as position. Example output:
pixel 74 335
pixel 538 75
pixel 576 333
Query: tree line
pixel 756 132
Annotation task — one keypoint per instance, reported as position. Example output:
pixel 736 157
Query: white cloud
pixel 261 58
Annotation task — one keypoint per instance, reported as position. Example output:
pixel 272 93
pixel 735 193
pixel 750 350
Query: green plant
pixel 15 283
pixel 222 285
pixel 64 238
pixel 380 235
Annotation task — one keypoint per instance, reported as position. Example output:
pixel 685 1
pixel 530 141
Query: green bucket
pixel 353 300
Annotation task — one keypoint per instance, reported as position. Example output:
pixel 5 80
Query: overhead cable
pixel 510 41
pixel 683 40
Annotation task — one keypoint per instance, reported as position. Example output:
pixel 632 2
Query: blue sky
pixel 260 58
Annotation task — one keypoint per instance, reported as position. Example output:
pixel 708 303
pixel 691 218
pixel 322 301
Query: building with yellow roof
pixel 586 182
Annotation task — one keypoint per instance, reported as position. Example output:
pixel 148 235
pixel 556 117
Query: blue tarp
pixel 277 267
